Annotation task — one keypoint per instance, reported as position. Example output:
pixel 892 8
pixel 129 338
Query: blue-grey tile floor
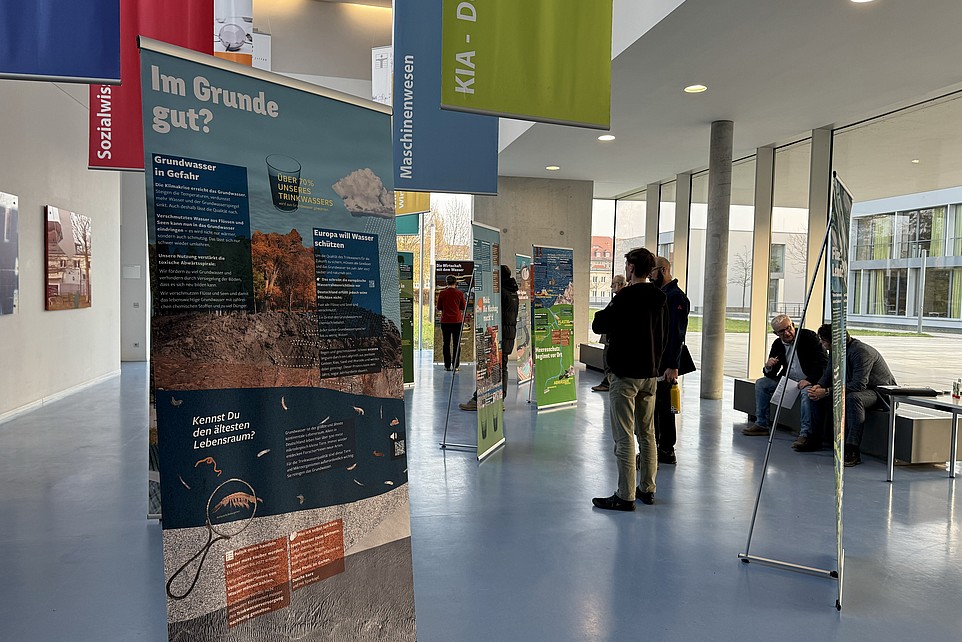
pixel 511 549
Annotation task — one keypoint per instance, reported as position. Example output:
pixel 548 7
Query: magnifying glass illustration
pixel 230 510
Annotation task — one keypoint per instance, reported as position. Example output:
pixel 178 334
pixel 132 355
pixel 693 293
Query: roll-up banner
pixel 541 60
pixel 434 150
pixel 463 271
pixel 487 337
pixel 838 242
pixel 523 274
pixel 554 351
pixel 61 40
pixel 276 355
pixel 115 130
pixel 405 262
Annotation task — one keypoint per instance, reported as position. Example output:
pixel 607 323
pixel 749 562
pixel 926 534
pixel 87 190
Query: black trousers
pixel 451 338
pixel 665 434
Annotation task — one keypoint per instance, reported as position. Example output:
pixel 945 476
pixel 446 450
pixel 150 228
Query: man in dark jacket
pixel 865 371
pixel 678 309
pixel 797 354
pixel 509 331
pixel 636 323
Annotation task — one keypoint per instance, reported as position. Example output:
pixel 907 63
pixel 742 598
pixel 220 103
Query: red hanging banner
pixel 115 133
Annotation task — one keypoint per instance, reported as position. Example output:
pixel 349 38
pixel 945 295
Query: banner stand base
pixel 788 566
pixel 490 451
pixel 557 406
pixel 445 445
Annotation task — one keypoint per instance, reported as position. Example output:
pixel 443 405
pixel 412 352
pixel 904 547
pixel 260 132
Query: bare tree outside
pixel 82 241
pixel 740 272
pixel 796 252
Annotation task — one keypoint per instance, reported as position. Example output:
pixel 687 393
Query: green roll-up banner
pixel 487 337
pixel 554 329
pixel 840 218
pixel 541 60
pixel 405 263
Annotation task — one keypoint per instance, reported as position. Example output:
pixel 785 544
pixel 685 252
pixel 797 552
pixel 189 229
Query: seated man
pixel 796 354
pixel 865 370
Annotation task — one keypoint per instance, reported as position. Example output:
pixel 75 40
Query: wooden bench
pixel 921 435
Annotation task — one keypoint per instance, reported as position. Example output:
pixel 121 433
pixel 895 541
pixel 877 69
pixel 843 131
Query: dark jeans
pixel 664 418
pixel 451 338
pixel 855 405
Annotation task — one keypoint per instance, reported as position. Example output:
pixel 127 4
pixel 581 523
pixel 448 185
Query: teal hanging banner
pixel 276 356
pixel 408 225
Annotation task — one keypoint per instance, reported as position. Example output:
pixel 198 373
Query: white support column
pixel 761 259
pixel 652 210
pixel 819 192
pixel 679 267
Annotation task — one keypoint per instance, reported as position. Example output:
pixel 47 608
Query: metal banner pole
pixel 746 557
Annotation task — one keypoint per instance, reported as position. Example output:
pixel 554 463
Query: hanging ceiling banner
pixel 115 131
pixel 411 202
pixel 61 40
pixel 542 60
pixel 234 31
pixel 434 150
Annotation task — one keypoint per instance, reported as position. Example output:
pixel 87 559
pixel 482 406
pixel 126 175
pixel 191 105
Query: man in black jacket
pixel 797 354
pixel 678 309
pixel 636 323
pixel 509 331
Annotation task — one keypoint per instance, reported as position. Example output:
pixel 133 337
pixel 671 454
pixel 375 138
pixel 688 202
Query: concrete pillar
pixel 819 193
pixel 652 210
pixel 679 267
pixel 758 337
pixel 716 259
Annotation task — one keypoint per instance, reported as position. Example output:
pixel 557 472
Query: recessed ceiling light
pixel 552 168
pixel 695 89
pixel 861 1
pixel 606 137
pixel 914 160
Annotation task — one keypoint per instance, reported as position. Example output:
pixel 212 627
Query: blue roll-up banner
pixel 61 40
pixel 275 355
pixel 435 150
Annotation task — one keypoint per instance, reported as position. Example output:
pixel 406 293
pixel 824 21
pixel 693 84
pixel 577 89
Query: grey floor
pixel 512 549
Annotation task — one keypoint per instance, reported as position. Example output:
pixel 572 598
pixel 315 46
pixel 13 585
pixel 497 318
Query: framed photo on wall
pixel 68 256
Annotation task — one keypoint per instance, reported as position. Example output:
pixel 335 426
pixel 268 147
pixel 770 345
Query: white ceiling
pixel 777 69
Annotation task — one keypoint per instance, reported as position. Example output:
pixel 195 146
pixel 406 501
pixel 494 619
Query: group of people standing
pixel 644 327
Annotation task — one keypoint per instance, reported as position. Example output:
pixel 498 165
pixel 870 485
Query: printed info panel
pixel 317 553
pixel 257 580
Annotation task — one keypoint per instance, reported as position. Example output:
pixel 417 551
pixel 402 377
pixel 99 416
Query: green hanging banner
pixel 542 60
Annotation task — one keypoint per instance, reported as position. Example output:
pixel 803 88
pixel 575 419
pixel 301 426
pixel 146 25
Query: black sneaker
pixel 613 503
pixel 852 456
pixel 667 457
pixel 644 498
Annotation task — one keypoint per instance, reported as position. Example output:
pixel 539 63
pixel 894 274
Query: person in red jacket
pixel 451 304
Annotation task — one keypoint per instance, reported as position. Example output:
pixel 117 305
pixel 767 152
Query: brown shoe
pixel 756 431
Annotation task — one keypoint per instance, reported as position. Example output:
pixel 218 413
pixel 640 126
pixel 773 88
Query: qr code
pixel 399 448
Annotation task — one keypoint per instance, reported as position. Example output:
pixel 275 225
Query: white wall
pixel 544 212
pixel 44 160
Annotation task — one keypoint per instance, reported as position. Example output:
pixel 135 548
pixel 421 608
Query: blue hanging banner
pixel 434 150
pixel 61 40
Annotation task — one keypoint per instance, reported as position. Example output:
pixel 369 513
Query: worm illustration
pixel 209 460
pixel 283 405
pixel 359 411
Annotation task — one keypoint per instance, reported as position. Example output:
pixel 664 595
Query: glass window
pixel 666 221
pixel 790 230
pixel 601 266
pixel 776 266
pixel 630 218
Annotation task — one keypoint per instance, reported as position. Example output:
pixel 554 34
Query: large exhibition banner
pixel 276 356
pixel 405 262
pixel 839 222
pixel 487 337
pixel 61 40
pixel 115 133
pixel 9 253
pixel 463 271
pixel 554 329
pixel 522 345
pixel 541 60
pixel 435 150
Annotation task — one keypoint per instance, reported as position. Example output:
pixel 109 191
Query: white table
pixel 945 403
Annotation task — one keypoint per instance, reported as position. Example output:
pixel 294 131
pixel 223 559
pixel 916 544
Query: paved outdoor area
pixel 914 360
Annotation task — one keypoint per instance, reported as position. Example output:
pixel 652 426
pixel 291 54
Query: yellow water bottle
pixel 675 398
